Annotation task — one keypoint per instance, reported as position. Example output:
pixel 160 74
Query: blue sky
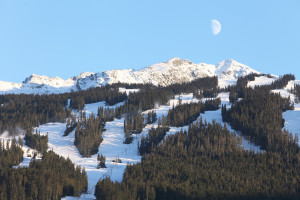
pixel 66 37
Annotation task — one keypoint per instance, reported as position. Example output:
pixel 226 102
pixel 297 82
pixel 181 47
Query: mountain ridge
pixel 175 70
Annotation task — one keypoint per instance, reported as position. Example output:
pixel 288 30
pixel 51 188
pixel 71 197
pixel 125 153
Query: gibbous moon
pixel 215 27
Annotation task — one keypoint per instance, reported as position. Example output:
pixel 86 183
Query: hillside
pixel 188 129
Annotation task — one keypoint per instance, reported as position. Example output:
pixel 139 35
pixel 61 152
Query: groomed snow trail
pixel 112 147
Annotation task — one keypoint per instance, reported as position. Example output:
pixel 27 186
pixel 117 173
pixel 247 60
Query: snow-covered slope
pixel 229 70
pixel 262 80
pixel 175 70
pixel 9 86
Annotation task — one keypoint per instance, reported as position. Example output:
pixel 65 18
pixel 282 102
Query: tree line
pixel 258 115
pixel 185 114
pixel 22 111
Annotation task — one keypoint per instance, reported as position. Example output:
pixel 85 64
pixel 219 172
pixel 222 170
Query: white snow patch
pixel 7 86
pixel 184 99
pixel 93 107
pixel 285 94
pixel 69 102
pixel 291 84
pixel 223 82
pixel 261 80
pixel 128 91
pixel 291 124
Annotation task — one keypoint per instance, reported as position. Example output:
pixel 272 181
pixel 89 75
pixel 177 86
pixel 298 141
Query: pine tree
pixel 101 161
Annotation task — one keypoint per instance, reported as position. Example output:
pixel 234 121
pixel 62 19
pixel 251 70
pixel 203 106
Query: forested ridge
pixel 204 162
pixel 207 162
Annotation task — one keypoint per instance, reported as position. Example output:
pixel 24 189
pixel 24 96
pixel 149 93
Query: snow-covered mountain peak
pixel 232 69
pixel 178 62
pixel 175 70
pixel 85 74
pixel 46 80
pixel 28 79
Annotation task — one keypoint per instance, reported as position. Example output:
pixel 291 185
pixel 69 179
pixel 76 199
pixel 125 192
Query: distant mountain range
pixel 173 71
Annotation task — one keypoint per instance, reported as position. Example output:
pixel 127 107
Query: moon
pixel 215 27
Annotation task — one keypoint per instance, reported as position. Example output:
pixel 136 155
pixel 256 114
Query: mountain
pixel 173 71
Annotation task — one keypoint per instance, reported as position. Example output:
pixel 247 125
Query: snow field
pixel 184 98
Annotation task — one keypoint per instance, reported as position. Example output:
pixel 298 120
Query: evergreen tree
pixel 101 161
